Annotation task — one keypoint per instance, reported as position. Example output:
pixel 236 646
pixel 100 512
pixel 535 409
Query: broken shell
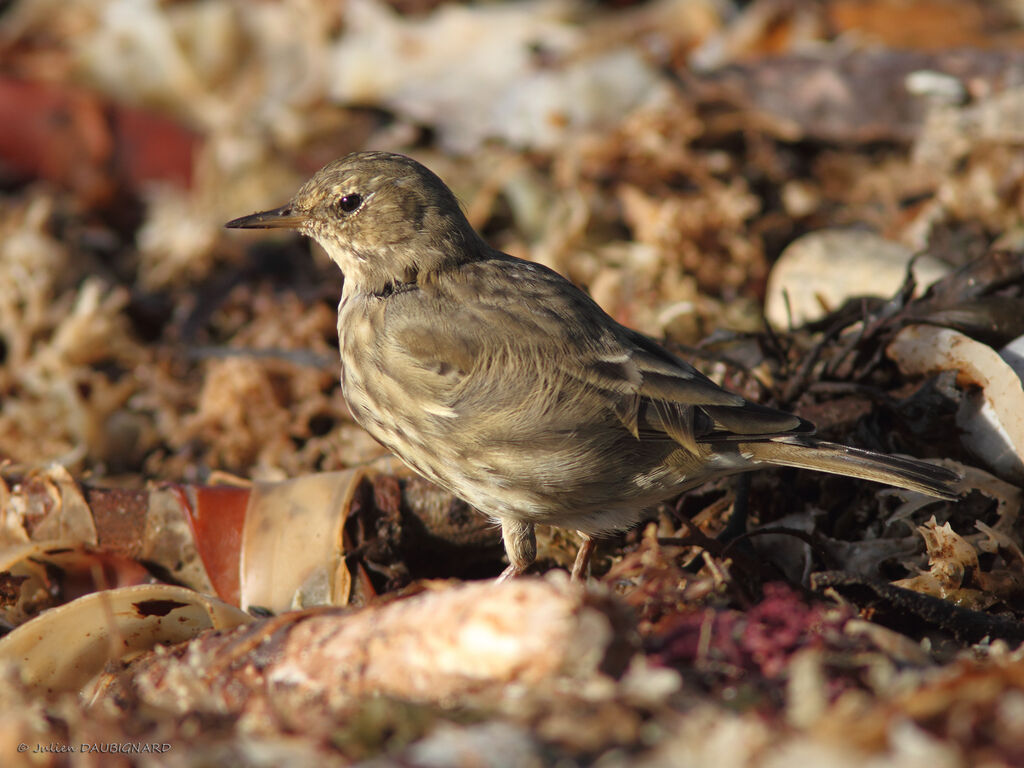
pixel 992 413
pixel 63 648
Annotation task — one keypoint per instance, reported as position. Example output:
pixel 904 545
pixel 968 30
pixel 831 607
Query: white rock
pixel 821 270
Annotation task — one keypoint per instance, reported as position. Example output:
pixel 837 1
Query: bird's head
pixel 382 217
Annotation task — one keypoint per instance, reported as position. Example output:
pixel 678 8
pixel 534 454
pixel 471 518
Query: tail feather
pixel 806 453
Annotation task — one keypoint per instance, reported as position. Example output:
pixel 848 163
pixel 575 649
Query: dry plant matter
pixel 199 549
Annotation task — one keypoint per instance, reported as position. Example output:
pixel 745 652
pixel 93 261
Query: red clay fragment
pixel 77 139
pixel 217 519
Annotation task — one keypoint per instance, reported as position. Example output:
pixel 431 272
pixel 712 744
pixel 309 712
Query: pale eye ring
pixel 348 203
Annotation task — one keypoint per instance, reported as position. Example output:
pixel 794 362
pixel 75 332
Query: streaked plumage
pixel 499 380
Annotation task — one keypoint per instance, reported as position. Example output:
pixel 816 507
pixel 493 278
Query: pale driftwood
pixel 436 647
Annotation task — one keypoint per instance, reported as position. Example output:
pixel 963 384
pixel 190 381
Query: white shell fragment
pixel 27 569
pixel 992 414
pixel 63 648
pixel 1013 354
pixel 821 270
pixel 67 519
pixel 292 550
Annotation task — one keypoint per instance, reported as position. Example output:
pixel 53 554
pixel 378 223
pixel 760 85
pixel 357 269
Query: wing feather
pixel 651 392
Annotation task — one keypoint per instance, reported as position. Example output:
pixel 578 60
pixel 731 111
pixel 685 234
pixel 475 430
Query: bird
pixel 504 383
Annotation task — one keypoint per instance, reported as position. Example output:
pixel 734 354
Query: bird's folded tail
pixel 807 453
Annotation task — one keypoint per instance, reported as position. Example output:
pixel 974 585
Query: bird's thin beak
pixel 284 217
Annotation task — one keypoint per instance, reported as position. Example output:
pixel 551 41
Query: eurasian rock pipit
pixel 499 380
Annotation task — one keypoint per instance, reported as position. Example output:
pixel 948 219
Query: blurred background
pixel 662 154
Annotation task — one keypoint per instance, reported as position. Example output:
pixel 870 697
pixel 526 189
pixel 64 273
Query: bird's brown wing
pixel 551 353
pixel 677 400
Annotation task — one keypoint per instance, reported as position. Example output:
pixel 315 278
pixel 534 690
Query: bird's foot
pixel 520 546
pixel 581 568
pixel 508 574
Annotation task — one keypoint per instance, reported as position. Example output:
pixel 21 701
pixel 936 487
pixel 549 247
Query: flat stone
pixel 821 270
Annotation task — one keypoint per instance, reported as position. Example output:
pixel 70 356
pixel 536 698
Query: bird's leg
pixel 581 568
pixel 737 524
pixel 520 546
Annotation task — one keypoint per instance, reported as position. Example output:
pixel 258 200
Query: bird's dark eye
pixel 348 203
